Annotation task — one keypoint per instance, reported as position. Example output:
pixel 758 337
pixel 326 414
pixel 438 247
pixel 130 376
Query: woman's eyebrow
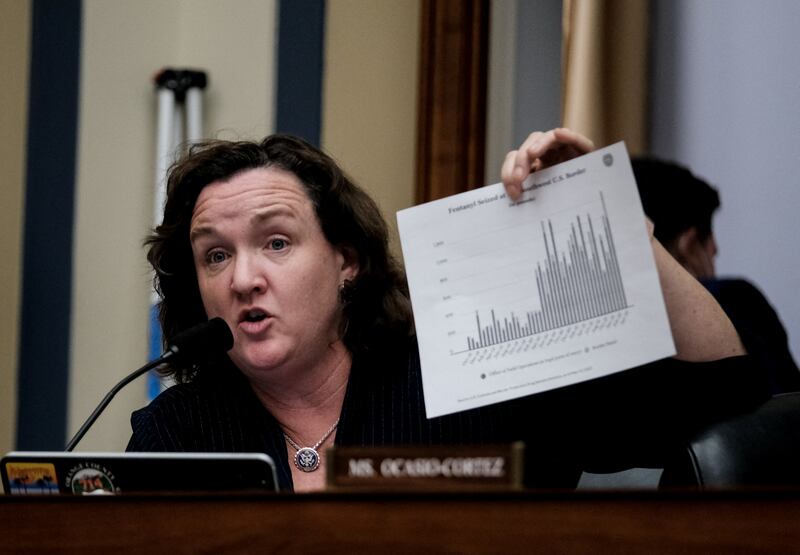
pixel 200 231
pixel 272 212
pixel 258 218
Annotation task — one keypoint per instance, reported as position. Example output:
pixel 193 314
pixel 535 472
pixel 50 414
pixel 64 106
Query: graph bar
pixel 575 283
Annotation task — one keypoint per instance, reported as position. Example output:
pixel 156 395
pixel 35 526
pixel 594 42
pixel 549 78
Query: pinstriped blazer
pixel 629 419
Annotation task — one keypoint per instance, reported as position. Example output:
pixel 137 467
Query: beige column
pixel 14 61
pixel 369 114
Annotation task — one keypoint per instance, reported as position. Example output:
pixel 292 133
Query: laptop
pixel 69 473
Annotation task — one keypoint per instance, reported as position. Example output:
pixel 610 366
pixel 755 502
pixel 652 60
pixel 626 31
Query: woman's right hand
pixel 541 150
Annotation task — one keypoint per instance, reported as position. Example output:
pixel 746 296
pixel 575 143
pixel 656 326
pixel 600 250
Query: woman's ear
pixel 350 266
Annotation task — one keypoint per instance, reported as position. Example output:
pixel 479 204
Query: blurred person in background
pixel 682 207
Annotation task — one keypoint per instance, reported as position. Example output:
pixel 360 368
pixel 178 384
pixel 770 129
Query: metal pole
pixel 180 95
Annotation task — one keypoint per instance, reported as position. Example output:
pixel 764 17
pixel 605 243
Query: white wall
pixel 727 86
pixel 124 44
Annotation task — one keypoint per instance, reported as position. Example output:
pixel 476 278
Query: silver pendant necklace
pixel 307 458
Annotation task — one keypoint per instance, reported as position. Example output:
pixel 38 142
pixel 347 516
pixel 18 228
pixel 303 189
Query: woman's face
pixel 265 267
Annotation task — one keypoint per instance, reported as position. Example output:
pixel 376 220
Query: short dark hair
pixel 674 198
pixel 377 310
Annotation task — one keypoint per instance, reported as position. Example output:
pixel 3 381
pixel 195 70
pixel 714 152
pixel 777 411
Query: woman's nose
pixel 247 276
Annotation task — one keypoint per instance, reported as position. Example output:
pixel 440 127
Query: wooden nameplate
pixel 473 467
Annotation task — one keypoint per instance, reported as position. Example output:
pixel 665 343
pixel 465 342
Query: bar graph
pixel 556 286
pixel 576 282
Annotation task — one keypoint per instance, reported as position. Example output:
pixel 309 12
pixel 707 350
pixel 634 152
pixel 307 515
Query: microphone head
pixel 207 340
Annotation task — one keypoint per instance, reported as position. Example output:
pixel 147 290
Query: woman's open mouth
pixel 254 320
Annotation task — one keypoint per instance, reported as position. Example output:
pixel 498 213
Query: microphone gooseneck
pixel 197 343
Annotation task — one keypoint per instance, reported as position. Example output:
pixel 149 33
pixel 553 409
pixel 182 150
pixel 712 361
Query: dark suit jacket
pixel 761 331
pixel 628 419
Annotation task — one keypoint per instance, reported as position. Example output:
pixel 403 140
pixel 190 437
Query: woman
pixel 276 240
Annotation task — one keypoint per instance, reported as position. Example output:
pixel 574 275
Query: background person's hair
pixel 674 198
pixel 376 307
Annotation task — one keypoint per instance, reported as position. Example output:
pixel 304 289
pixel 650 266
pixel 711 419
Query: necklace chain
pixel 307 458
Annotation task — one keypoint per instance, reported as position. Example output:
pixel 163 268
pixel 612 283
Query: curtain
pixel 604 58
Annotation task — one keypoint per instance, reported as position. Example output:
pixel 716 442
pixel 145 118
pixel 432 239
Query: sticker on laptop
pixel 31 478
pixel 90 479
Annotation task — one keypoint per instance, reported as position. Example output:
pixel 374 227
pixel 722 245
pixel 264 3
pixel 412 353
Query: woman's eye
pixel 277 244
pixel 215 257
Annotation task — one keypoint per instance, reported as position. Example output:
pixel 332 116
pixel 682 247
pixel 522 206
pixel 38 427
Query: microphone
pixel 196 343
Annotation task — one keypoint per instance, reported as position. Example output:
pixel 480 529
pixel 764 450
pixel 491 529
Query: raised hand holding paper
pixel 515 298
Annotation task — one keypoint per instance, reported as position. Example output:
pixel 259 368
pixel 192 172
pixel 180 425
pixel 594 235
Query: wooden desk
pixel 513 523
